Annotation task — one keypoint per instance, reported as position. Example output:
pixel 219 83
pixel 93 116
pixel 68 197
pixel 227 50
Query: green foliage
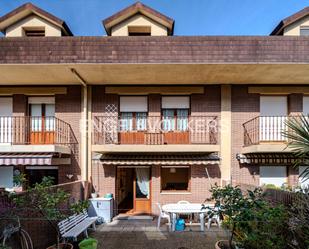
pixel 298 135
pixel 42 197
pixel 79 206
pixel 299 221
pixel 19 180
pixel 252 221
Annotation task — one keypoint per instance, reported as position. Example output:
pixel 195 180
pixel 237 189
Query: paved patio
pixel 143 234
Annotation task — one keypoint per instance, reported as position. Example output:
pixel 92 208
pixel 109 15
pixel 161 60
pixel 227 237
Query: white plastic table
pixel 191 208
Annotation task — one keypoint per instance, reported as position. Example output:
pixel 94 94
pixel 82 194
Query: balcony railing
pixel 154 130
pixel 265 129
pixel 23 130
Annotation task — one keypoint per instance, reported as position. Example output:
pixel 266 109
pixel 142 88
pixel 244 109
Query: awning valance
pixel 268 159
pixel 14 159
pixel 193 159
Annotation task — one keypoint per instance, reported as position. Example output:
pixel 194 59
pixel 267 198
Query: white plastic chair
pixel 183 202
pixel 163 215
pixel 215 218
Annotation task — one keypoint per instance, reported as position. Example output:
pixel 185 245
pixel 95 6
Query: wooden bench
pixel 76 224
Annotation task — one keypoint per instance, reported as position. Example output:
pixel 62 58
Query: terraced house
pixel 145 115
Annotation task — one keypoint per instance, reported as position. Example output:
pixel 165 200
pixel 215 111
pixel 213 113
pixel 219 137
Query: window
pixel 6 176
pixel 306 105
pixel 133 113
pixel 42 111
pixel 139 31
pixel 175 178
pixel 275 175
pixel 34 31
pixel 273 112
pixel 175 113
pixel 303 179
pixel 304 31
pixel 35 174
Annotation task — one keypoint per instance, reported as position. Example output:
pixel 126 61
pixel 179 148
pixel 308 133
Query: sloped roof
pixel 134 9
pixel 30 9
pixel 289 20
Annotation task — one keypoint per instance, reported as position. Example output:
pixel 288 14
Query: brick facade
pixel 246 106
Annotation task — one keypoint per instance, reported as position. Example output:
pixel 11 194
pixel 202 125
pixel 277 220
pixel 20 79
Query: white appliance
pixel 101 207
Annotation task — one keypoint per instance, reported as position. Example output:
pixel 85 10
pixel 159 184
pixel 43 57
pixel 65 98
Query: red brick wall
pixel 245 106
pixel 20 105
pixel 200 185
pixel 68 109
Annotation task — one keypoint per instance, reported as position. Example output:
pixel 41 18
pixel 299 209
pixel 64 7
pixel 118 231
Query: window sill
pixel 175 192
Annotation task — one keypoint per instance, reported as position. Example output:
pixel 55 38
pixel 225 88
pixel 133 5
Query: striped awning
pixel 268 159
pixel 192 159
pixel 14 159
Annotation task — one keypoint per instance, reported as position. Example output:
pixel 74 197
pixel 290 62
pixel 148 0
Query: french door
pixel 42 123
pixel 6 113
pixel 142 191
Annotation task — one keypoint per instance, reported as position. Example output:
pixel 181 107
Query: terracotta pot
pixel 61 246
pixel 217 244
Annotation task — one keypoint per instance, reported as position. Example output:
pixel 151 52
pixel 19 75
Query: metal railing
pixel 22 130
pixel 155 130
pixel 265 129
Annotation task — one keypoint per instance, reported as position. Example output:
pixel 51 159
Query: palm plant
pixel 298 136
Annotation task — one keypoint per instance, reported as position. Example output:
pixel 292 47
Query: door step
pixel 133 217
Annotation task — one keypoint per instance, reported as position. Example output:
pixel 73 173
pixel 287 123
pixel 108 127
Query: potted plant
pixel 49 202
pixel 252 221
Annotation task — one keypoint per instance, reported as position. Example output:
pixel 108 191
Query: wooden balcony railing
pixel 153 130
pixel 23 130
pixel 265 129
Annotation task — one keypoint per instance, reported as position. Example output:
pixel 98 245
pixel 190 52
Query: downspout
pixel 83 125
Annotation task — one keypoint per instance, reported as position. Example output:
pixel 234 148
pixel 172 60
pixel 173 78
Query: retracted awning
pixel 269 159
pixel 192 159
pixel 14 159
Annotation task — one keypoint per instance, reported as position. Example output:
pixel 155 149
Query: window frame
pixel 303 28
pixel 188 190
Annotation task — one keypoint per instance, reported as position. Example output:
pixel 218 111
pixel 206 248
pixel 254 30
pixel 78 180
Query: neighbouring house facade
pixel 145 115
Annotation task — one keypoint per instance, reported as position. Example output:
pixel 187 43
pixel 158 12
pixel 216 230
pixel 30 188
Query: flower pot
pixel 94 195
pixel 61 246
pixel 222 244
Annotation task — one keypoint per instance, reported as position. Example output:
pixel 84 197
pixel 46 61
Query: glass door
pixel 142 191
pixel 42 122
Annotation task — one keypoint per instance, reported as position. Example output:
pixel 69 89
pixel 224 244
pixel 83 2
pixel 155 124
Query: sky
pixel 192 17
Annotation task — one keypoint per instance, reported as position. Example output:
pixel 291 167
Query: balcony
pixel 265 134
pixel 155 134
pixel 35 134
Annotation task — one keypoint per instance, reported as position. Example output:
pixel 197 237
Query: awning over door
pixel 193 159
pixel 269 159
pixel 15 159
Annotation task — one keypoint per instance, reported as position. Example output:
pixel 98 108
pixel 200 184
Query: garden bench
pixel 76 224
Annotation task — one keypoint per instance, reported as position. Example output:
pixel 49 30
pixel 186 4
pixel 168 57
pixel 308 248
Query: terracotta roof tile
pixel 169 49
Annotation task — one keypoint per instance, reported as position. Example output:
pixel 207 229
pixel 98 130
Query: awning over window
pixel 269 159
pixel 193 159
pixel 15 159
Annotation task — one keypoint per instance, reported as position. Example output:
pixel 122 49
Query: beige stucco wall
pixel 294 28
pixel 16 30
pixel 121 29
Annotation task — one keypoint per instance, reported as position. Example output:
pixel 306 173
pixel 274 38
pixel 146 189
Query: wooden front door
pixel 42 123
pixel 142 191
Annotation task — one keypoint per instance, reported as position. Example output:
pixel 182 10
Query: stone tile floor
pixel 141 234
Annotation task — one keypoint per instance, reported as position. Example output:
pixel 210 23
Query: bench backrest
pixel 72 221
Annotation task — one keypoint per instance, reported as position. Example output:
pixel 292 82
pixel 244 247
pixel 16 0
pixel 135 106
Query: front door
pixel 142 193
pixel 133 190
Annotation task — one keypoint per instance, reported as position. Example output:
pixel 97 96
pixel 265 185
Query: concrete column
pixel 89 134
pixel 226 133
pixel 84 134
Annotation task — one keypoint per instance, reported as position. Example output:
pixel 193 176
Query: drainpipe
pixel 83 125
